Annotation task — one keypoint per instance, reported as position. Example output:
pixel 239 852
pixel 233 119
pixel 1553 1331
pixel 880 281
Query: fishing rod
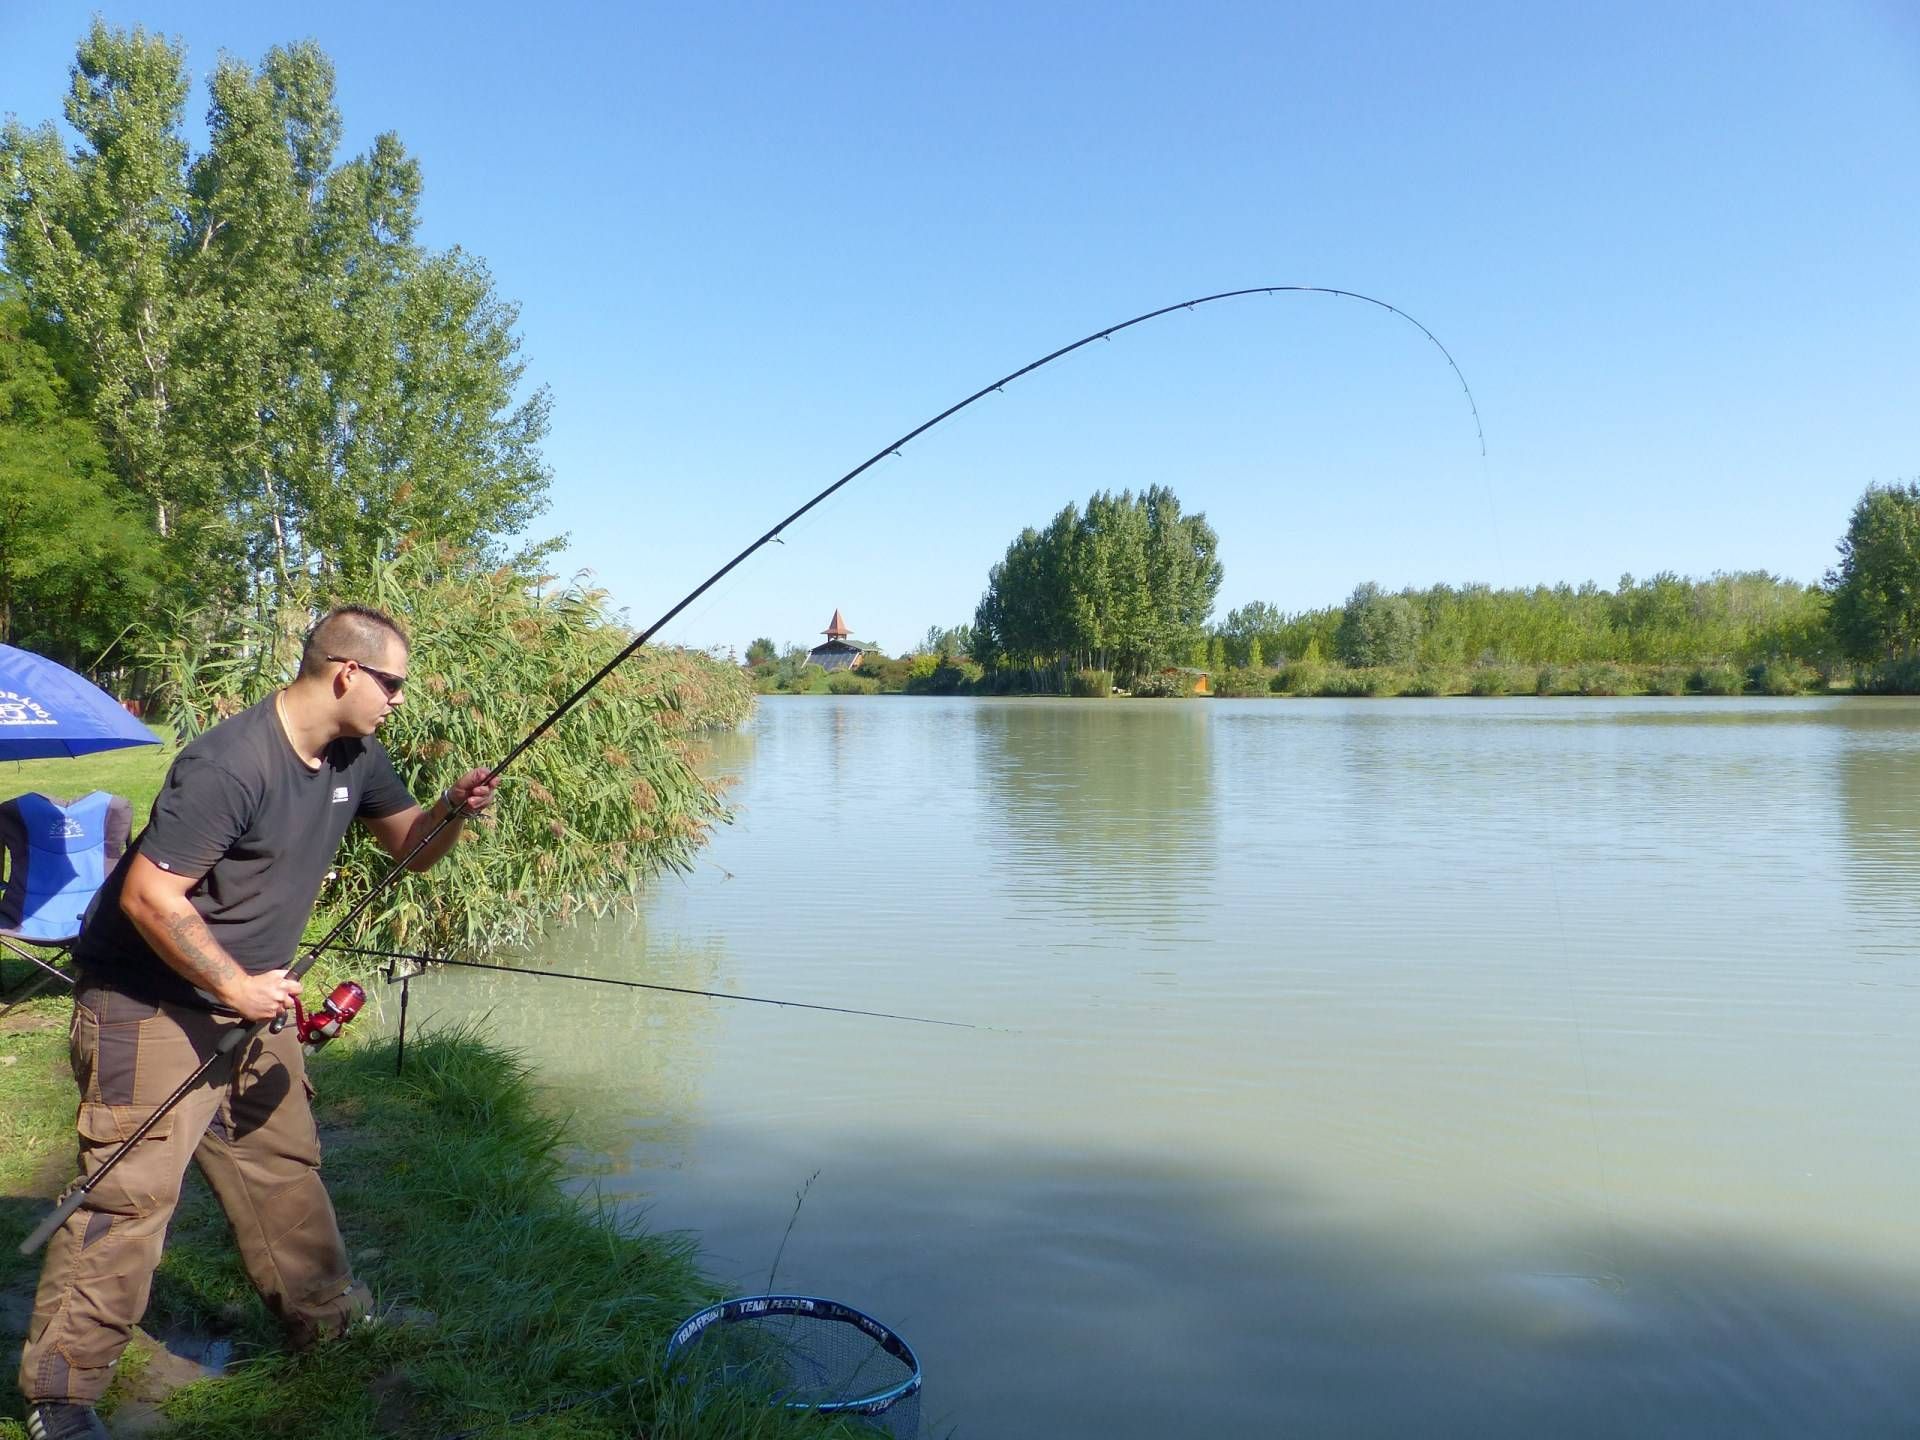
pixel 241 1035
pixel 425 960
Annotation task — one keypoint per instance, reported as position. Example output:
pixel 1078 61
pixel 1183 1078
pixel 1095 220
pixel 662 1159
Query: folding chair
pixel 58 857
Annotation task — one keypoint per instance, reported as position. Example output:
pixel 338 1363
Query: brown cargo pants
pixel 251 1131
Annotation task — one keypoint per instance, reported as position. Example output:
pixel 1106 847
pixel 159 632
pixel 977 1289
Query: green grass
pixel 135 772
pixel 452 1189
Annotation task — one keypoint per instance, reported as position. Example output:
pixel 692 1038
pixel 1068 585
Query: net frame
pixel 748 1308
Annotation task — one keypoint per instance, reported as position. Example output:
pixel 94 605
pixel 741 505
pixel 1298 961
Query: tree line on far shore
pixel 1118 595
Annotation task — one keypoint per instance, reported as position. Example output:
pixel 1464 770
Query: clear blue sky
pixel 1675 249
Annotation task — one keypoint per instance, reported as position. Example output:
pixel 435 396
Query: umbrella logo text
pixel 18 709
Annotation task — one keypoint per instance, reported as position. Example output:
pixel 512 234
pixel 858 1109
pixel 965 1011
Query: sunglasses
pixel 389 683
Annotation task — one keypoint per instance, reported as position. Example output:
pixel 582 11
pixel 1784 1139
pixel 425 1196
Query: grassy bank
pixel 453 1186
pixel 450 1182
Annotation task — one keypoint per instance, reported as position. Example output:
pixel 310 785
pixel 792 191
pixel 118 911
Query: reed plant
pixel 1091 684
pixel 612 794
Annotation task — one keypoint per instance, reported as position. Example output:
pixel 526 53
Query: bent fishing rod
pixel 242 1034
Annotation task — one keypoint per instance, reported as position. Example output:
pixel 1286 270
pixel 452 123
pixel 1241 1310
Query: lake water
pixel 1455 1067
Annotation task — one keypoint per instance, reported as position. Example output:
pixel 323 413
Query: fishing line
pixel 1610 1277
pixel 240 1035
pixel 425 960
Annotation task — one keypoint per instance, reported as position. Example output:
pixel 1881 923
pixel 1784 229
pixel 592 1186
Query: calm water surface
pixel 1377 1068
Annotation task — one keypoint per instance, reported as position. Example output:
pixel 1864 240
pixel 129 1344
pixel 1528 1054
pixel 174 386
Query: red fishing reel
pixel 320 1026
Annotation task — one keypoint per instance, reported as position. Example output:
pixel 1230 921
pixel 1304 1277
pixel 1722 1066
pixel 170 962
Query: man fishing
pixel 191 936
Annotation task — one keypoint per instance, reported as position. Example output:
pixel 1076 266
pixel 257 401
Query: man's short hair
pixel 353 632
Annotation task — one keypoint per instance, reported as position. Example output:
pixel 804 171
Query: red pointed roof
pixel 838 629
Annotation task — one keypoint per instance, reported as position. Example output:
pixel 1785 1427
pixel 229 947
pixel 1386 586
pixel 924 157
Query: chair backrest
pixel 58 856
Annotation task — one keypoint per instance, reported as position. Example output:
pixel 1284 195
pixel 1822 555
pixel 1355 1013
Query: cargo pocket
pixel 145 1178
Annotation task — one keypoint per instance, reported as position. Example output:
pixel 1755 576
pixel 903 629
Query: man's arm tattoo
pixel 192 950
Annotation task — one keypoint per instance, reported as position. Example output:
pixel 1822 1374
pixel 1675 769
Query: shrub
pixel 1352 684
pixel 1895 677
pixel 1781 677
pixel 1551 680
pixel 851 682
pixel 884 672
pixel 1664 680
pixel 1239 682
pixel 1302 677
pixel 1490 679
pixel 1717 680
pixel 1091 684
pixel 1432 680
pixel 1160 685
pixel 1602 680
pixel 952 676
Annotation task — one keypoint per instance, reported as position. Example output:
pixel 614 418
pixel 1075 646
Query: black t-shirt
pixel 243 812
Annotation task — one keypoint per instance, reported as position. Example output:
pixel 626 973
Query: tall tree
pixel 1126 584
pixel 1876 585
pixel 285 377
pixel 1377 628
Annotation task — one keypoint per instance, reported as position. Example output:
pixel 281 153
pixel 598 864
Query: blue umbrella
pixel 46 709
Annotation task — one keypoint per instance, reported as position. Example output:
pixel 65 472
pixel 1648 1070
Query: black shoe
pixel 56 1420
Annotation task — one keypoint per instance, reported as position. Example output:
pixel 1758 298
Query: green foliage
pixel 851 682
pixel 283 379
pixel 1433 680
pixel 1377 629
pixel 1091 684
pixel 78 556
pixel 1781 677
pixel 954 676
pixel 947 644
pixel 1125 587
pixel 1237 682
pixel 1665 680
pixel 1876 585
pixel 607 797
pixel 1302 677
pixel 1603 679
pixel 1717 680
pixel 1894 677
pixel 760 652
pixel 885 672
pixel 1160 685
pixel 1351 684
pixel 1750 616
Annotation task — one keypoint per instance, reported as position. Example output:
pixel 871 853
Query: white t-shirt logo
pixel 340 795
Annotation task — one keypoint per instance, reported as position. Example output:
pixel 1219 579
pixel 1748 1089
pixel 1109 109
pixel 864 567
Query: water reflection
pixel 1099 819
pixel 1339 1042
pixel 646 1051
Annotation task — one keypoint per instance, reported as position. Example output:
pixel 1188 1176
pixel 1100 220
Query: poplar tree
pixel 284 377
pixel 1876 585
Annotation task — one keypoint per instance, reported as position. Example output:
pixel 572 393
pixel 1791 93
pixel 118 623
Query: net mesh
pixel 806 1352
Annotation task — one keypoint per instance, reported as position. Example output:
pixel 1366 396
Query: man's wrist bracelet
pixel 454 812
